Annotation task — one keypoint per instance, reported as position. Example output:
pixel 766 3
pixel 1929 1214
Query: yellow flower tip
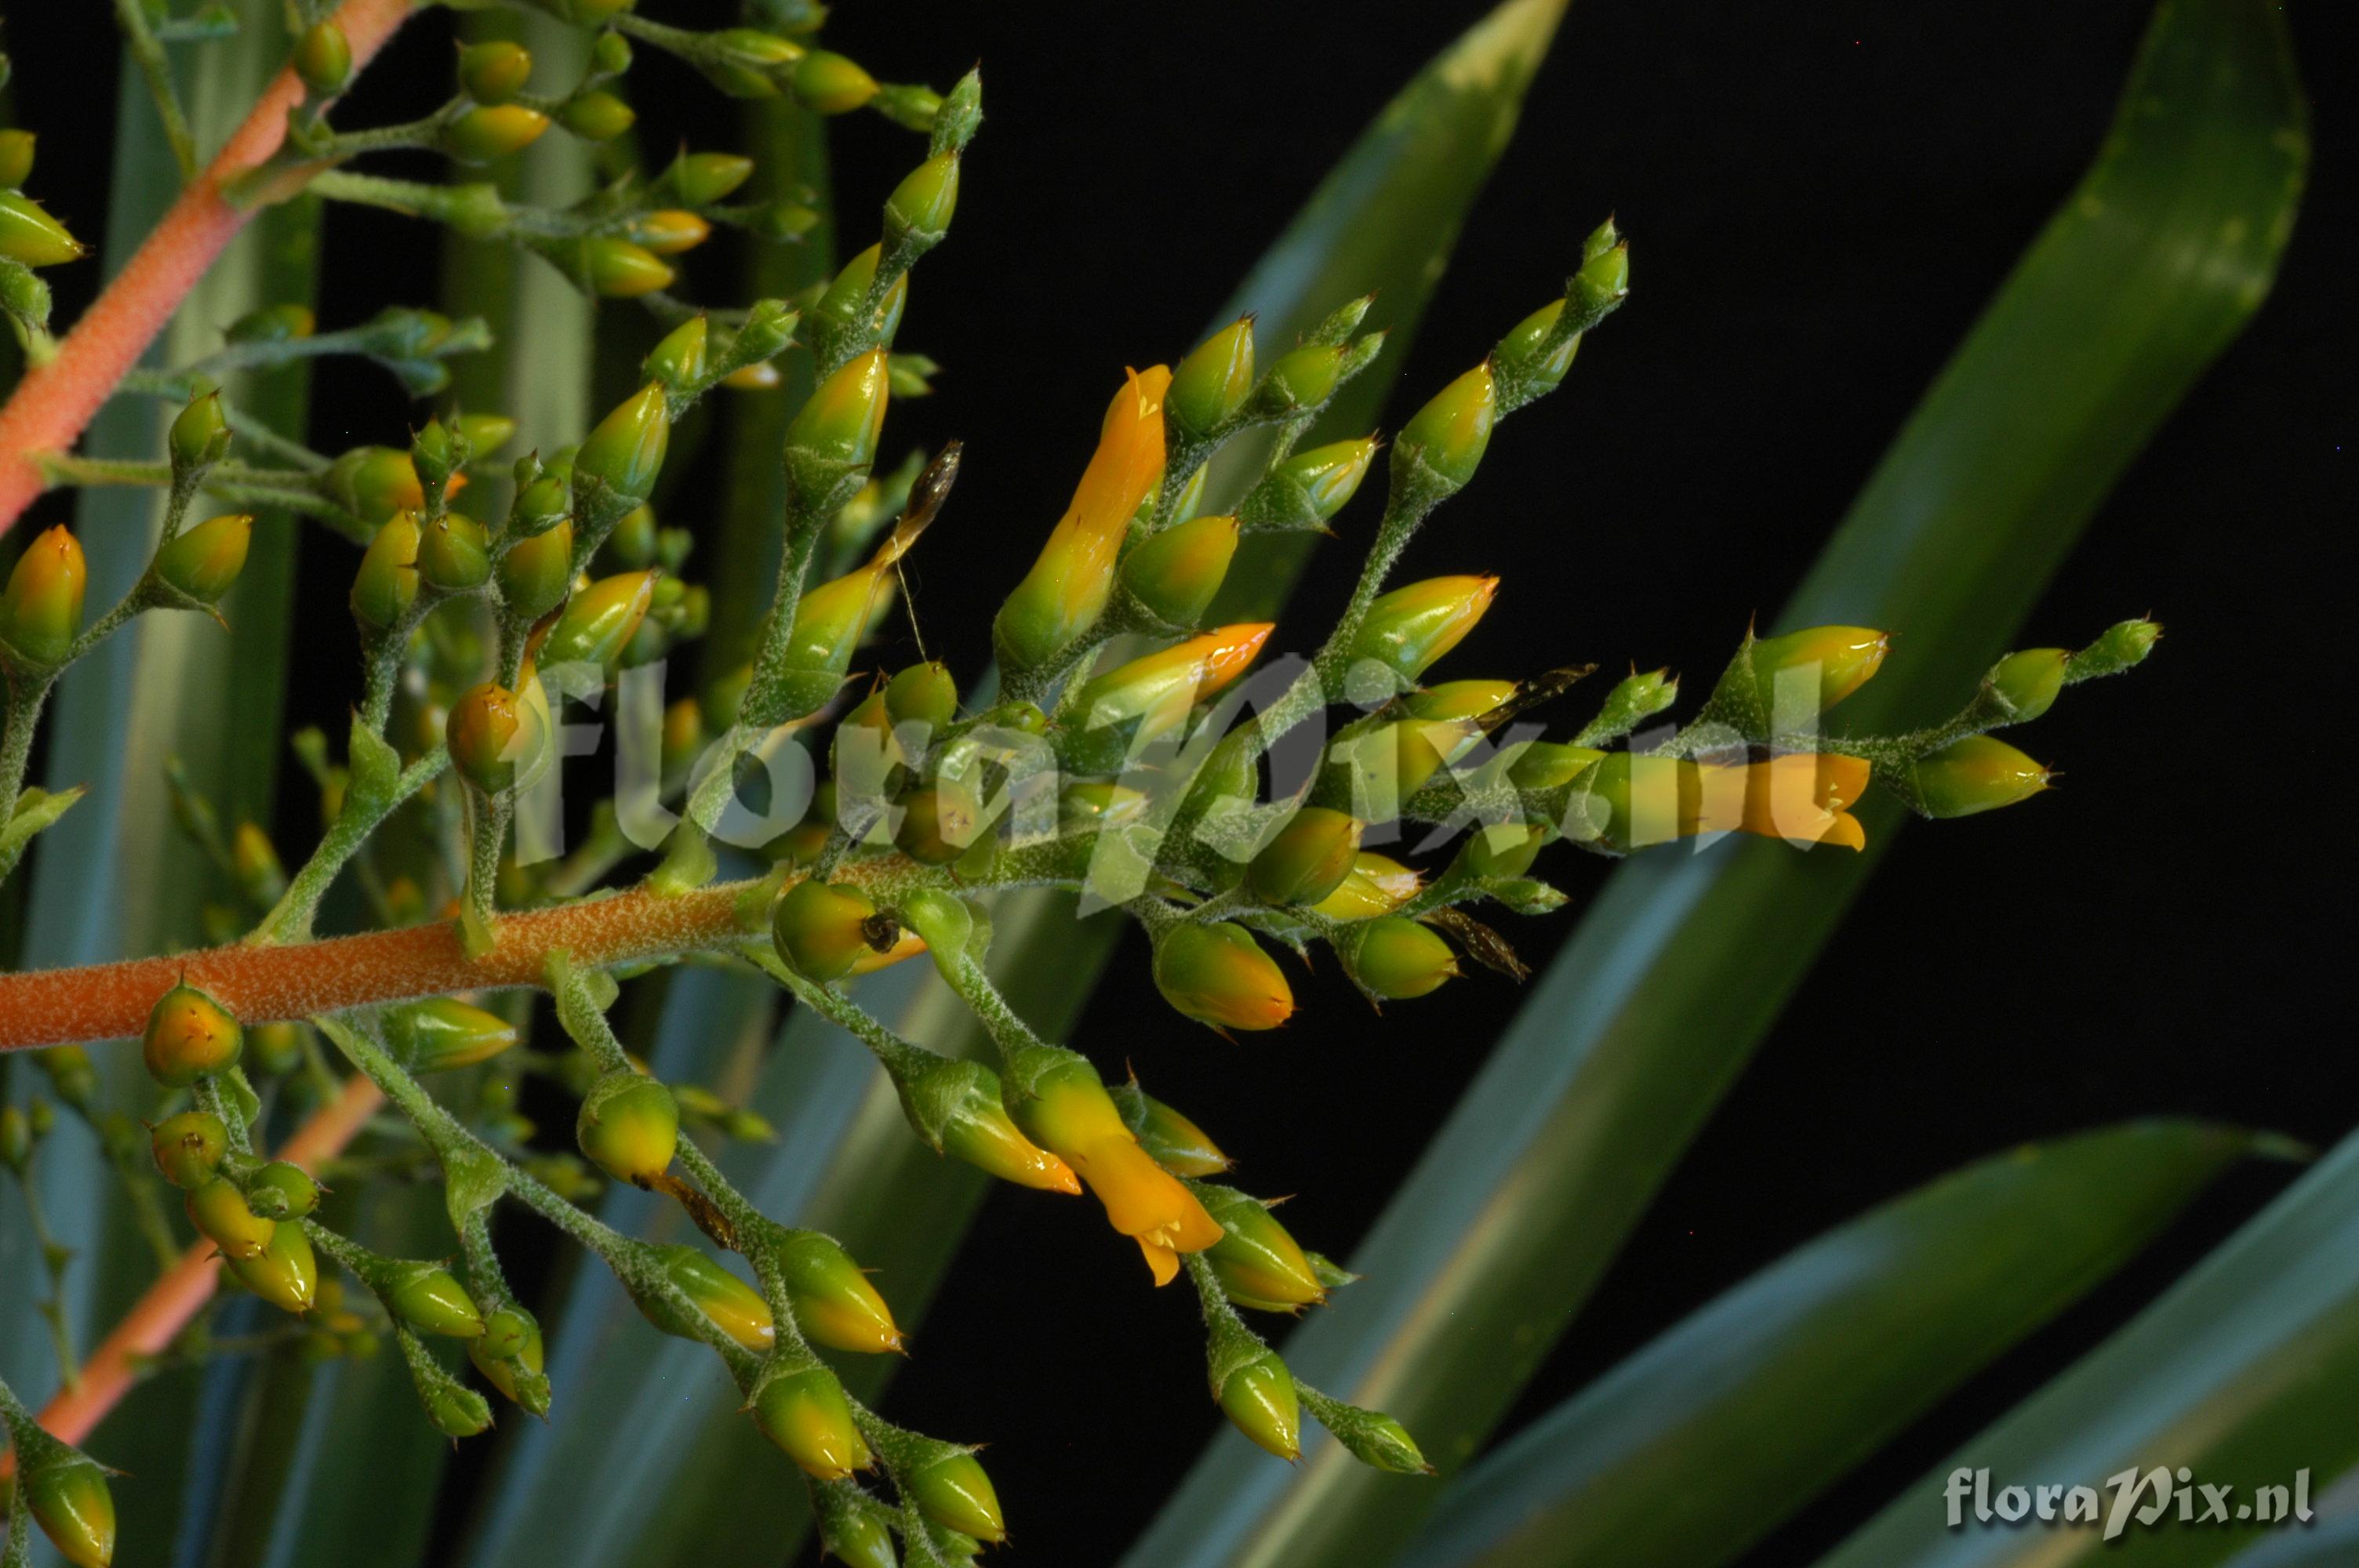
pixel 1161 1261
pixel 1845 832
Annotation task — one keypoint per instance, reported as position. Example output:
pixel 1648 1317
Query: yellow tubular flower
pixel 1062 596
pixel 1072 1117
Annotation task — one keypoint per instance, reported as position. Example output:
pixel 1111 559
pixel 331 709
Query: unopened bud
pixel 2125 646
pixel 953 1491
pixel 1825 664
pixel 493 72
pixel 200 434
pixel 626 453
pixel 828 83
pixel 833 1302
pixel 535 571
pixel 596 117
pixel 700 180
pixel 377 482
pixel 1210 385
pixel 510 1356
pixel 442 1033
pixel 806 1414
pixel 1258 1263
pixel 1150 696
pixel 1532 358
pixel 190 1036
pixel 599 620
pixel 823 929
pixel 15 157
pixel 734 1307
pixel 1217 974
pixel 493 131
pixel 431 1299
pixel 920 207
pixel 1176 1144
pixel 453 556
pixel 40 611
pixel 386 587
pixel 833 441
pixel 621 270
pixel 670 230
pixel 1302 380
pixel 1259 1401
pixel 1410 629
pixel 962 1103
pixel 629 1126
pixel 323 59
pixel 1307 490
pixel 202 562
pixel 1308 859
pixel 2026 684
pixel 1446 438
pixel 30 236
pixel 67 1496
pixel 217 1207
pixel 189 1146
pixel 1397 958
pixel 1973 774
pixel 1175 573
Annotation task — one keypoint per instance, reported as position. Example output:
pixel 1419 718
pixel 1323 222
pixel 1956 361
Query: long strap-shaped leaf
pixel 2150 268
pixel 2246 1372
pixel 706 1487
pixel 1685 1454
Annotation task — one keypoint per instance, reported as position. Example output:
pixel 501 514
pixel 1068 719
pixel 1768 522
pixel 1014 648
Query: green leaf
pixel 1641 1024
pixel 2244 1372
pixel 1693 1448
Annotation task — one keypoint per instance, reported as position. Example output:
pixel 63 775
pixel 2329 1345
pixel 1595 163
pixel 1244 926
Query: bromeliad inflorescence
pixel 1121 747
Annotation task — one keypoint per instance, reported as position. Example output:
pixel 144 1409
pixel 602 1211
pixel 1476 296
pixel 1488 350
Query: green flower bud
pixel 1446 438
pixel 274 1048
pixel 1635 699
pixel 69 1072
pixel 953 1491
pixel 629 1126
pixel 495 737
pixel 200 434
pixel 700 180
pixel 1304 378
pixel 596 116
pixel 1525 357
pixel 429 1298
pixel 190 1036
pixel 217 1207
pixel 1397 958
pixel 1842 659
pixel 1546 764
pixel 2125 646
pixel 1374 1438
pixel 736 1307
pixel 822 928
pixel 833 1302
pixel 285 323
pixel 1217 974
pixel 493 131
pixel 281 1190
pixel 960 1108
pixel 806 1414
pixel 621 270
pixel 16 1135
pixel 1258 1263
pixel 1973 774
pixel 920 206
pixel 323 59
pixel 627 451
pixel 535 572
pixel 493 72
pixel 1258 1399
pixel 2026 684
pixel 386 587
pixel 376 482
pixel 922 694
pixel 15 157
pixel 752 63
pixel 830 84
pixel 483 433
pixel 540 503
pixel 1210 385
pixel 514 1372
pixel 204 561
pixel 632 544
pixel 453 554
pixel 1307 490
pixel 440 1032
pixel 850 1534
pixel 937 826
pixel 832 441
pixel 189 1146
pixel 840 308
pixel 599 620
pixel 1308 859
pixel 456 1410
pixel 1410 629
pixel 1603 280
pixel 68 1495
pixel 1175 573
pixel 30 236
pixel 1505 850
pixel 610 52
pixel 679 360
pixel 1176 1144
pixel 40 610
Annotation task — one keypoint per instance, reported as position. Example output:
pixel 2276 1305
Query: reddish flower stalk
pixel 54 403
pixel 260 984
pixel 149 1327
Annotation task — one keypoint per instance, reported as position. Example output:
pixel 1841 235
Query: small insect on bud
pixel 535 572
pixel 1217 974
pixel 323 59
pixel 1408 629
pixel 629 1126
pixel 823 929
pixel 733 1305
pixel 190 1147
pixel 454 554
pixel 16 159
pixel 1445 440
pixel 200 433
pixel 40 611
pixel 700 180
pixel 828 83
pixel 1175 573
pixel 1258 1263
pixel 69 1498
pixel 835 1303
pixel 953 1490
pixel 493 72
pixel 920 207
pixel 670 230
pixel 204 561
pixel 2026 684
pixel 596 116
pixel 806 1414
pixel 190 1036
pixel 600 621
pixel 1820 664
pixel 510 1356
pixel 386 587
pixel 621 270
pixel 1397 958
pixel 493 131
pixel 626 453
pixel 281 1190
pixel 1308 859
pixel 1973 774
pixel 440 1032
pixel 430 1299
pixel 30 237
pixel 1177 1144
pixel 1211 384
pixel 217 1207
pixel 1258 1399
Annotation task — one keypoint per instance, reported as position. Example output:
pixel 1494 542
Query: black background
pixel 1821 198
